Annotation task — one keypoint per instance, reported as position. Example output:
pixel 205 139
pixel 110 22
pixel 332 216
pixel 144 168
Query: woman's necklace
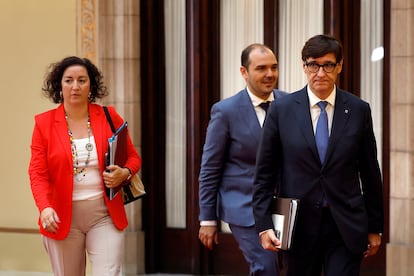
pixel 89 147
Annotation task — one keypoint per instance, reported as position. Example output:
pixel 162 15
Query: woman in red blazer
pixel 68 174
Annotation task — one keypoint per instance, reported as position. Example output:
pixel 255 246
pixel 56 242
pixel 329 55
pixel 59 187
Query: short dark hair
pixel 52 83
pixel 320 45
pixel 245 56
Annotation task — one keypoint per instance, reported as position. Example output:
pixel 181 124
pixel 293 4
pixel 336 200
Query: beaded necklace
pixel 89 147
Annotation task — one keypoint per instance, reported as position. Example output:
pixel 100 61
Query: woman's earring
pixel 61 96
pixel 90 96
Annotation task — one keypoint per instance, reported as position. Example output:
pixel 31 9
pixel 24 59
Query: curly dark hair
pixel 52 84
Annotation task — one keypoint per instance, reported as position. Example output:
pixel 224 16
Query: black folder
pixel 284 214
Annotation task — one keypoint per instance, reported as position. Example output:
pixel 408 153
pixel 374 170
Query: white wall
pixel 33 34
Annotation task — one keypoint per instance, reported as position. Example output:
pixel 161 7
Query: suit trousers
pixel 92 232
pixel 327 253
pixel 260 261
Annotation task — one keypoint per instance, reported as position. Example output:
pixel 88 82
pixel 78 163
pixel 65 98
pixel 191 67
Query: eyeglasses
pixel 314 67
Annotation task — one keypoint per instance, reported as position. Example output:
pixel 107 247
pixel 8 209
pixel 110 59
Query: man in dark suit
pixel 229 157
pixel 338 183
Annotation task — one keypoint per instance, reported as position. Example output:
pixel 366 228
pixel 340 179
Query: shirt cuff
pixel 261 233
pixel 208 223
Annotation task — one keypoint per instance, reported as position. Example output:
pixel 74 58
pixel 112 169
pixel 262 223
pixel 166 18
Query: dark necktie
pixel 322 131
pixel 265 106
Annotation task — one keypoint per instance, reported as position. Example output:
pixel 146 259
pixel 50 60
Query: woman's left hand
pixel 114 176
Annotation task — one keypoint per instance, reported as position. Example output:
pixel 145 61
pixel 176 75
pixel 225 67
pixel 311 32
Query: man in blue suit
pixel 229 157
pixel 337 179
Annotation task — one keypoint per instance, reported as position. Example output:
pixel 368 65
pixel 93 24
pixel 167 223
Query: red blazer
pixel 51 165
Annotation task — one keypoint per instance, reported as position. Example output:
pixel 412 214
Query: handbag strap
pixel 108 117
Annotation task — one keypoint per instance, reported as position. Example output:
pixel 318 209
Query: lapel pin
pixel 346 111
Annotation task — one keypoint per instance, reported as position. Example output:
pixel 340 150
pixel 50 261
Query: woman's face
pixel 75 85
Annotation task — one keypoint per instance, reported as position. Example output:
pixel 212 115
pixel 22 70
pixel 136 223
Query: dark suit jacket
pixel 51 165
pixel 228 162
pixel 350 175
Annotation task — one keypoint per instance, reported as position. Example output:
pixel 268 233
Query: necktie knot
pixel 322 105
pixel 265 105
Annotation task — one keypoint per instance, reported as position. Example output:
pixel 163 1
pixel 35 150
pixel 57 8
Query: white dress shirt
pixel 315 111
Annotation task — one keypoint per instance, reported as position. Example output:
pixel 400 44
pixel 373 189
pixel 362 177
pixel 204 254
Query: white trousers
pixel 93 232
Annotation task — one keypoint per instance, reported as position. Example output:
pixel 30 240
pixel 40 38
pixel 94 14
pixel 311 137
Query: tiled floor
pixel 18 273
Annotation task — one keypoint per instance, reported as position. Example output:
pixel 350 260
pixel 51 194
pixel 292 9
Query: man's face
pixel 262 72
pixel 322 82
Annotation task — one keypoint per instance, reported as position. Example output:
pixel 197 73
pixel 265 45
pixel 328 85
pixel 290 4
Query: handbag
pixel 134 189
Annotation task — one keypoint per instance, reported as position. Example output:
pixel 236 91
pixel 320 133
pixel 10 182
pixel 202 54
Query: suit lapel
pixel 248 115
pixel 99 124
pixel 339 121
pixel 61 132
pixel 302 113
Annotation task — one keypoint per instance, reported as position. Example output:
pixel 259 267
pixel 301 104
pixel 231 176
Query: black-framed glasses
pixel 313 67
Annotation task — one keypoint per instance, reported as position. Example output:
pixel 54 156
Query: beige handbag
pixel 133 190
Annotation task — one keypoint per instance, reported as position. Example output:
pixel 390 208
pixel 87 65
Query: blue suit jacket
pixel 228 162
pixel 350 175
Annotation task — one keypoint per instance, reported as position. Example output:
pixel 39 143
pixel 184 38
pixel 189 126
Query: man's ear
pixel 340 66
pixel 304 67
pixel 243 72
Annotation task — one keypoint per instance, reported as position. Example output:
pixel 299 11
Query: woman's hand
pixel 49 219
pixel 114 176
